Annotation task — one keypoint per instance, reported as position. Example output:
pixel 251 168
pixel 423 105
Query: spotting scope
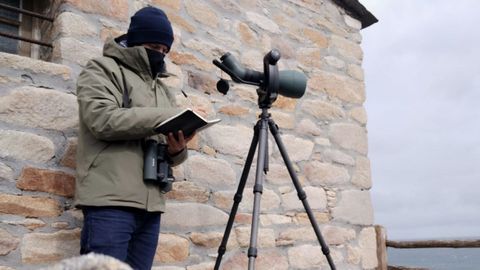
pixel 288 83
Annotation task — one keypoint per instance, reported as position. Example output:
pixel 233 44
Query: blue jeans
pixel 127 234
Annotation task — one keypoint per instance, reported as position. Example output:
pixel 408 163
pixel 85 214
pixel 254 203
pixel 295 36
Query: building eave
pixel 355 9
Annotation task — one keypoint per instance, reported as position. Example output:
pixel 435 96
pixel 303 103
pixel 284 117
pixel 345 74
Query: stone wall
pixel 324 133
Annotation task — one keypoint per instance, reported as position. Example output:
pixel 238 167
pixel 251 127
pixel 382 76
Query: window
pixel 24 28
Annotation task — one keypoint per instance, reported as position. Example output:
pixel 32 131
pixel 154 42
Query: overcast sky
pixel 422 73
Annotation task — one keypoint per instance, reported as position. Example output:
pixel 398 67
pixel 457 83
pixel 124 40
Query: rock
pixel 6 172
pixel 319 173
pixel 316 198
pixel 8 242
pixel 40 248
pixel 117 9
pixel 354 207
pixel 190 215
pixel 368 248
pixel 25 146
pixel 172 248
pixel 39 108
pixel 263 22
pixel 36 66
pixel 350 137
pixel 232 140
pixel 29 206
pixel 56 182
pixel 210 172
pixel 188 191
pixel 202 12
pixel 69 156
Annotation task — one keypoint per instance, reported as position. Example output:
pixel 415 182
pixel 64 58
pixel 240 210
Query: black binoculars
pixel 156 168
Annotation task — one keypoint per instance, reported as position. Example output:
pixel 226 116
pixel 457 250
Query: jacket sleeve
pixel 179 158
pixel 100 108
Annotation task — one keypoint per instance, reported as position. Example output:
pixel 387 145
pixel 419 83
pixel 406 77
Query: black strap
pixel 126 101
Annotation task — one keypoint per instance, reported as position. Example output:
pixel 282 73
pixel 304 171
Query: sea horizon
pixel 435 258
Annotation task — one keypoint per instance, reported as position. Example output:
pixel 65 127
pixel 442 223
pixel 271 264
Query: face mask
pixel 157 64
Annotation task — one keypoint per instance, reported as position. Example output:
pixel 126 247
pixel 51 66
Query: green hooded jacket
pixel 109 151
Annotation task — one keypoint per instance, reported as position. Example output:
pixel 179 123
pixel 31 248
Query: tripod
pixel 271 84
pixel 260 138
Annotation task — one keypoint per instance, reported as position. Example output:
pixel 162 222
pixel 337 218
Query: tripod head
pixel 271 82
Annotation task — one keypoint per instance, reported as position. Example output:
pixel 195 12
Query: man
pixel 121 100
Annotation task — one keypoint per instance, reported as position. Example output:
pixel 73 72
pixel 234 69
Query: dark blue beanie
pixel 150 25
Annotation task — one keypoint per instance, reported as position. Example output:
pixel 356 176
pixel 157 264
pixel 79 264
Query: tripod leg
pixel 238 196
pixel 300 192
pixel 257 191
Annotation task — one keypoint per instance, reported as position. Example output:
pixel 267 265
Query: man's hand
pixel 176 146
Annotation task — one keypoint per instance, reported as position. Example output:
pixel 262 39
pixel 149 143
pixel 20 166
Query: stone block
pixel 350 137
pixel 265 237
pixel 269 200
pixel 55 182
pixel 179 21
pixel 306 257
pixel 39 108
pixel 338 157
pixel 29 206
pixel 210 172
pixel 182 58
pixel 359 114
pixel 368 248
pixel 317 37
pixel 36 66
pixel 8 242
pixel 40 248
pixel 322 110
pixel 283 120
pixel 234 110
pixel 202 12
pixel 29 223
pixel 310 58
pixel 347 48
pixel 354 207
pixel 69 157
pixel 277 174
pixel 335 235
pixel 285 103
pixel 25 146
pixel 191 215
pixel 266 260
pixel 319 173
pixel 298 149
pixel 274 219
pixel 171 4
pixel 117 9
pixel 172 249
pixel 75 25
pixel 290 236
pixel 338 87
pixel 188 192
pixel 316 198
pixel 213 239
pixel 247 35
pixel 68 49
pixel 231 140
pixel 263 22
pixel 6 172
pixel 308 127
pixel 362 176
pixel 356 72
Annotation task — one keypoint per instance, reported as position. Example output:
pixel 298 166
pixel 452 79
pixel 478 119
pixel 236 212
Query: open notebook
pixel 187 121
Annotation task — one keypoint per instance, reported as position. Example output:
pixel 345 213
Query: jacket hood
pixel 134 58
